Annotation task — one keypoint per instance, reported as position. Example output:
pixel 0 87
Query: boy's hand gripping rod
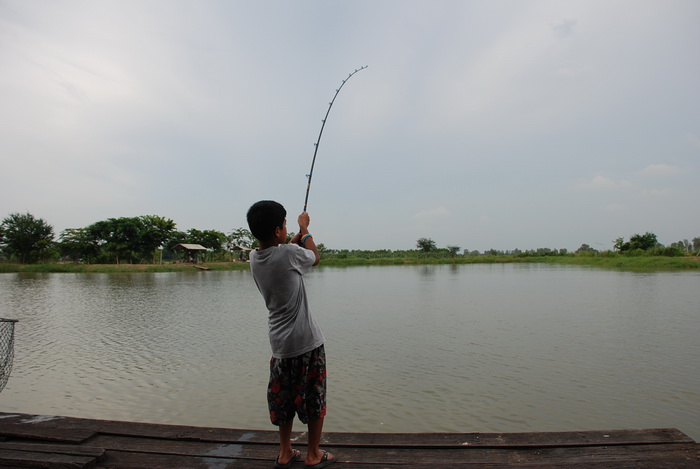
pixel 330 105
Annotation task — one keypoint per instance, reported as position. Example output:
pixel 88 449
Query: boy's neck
pixel 267 244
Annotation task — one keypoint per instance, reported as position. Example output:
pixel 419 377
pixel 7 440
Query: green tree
pixel 26 238
pixel 210 239
pixel 426 245
pixel 643 242
pixel 154 231
pixel 78 243
pixel 213 240
pixel 585 248
pixel 240 237
pixel 453 250
pixel 118 238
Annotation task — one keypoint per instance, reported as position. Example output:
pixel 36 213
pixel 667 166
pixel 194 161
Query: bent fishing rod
pixel 323 124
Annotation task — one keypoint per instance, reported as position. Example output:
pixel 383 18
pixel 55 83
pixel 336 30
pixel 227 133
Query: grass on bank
pixel 615 262
pixel 115 268
pixel 618 262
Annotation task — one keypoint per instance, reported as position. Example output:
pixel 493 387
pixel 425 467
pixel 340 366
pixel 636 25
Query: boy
pixel 298 364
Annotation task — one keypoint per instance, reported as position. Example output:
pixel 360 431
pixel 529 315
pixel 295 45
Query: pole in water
pixel 323 124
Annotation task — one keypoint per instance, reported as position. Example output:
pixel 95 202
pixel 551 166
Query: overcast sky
pixel 481 124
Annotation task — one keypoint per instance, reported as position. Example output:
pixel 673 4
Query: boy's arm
pixel 311 245
pixel 308 242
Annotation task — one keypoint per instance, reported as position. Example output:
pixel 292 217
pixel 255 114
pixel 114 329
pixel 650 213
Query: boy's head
pixel 264 218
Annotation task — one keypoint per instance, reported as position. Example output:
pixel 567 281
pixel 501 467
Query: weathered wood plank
pixel 119 445
pixel 682 455
pixel 12 458
pixel 511 440
pixel 41 427
pixel 74 450
pixel 185 448
pixel 80 429
pixel 671 456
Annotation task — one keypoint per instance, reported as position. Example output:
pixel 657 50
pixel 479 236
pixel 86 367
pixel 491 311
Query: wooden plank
pixel 74 450
pixel 11 458
pixel 665 456
pixel 185 448
pixel 533 439
pixel 511 440
pixel 41 427
pixel 118 460
pixel 681 455
pixel 80 429
pixel 110 444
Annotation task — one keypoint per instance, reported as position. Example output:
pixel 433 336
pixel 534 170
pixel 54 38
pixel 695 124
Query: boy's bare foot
pixel 325 460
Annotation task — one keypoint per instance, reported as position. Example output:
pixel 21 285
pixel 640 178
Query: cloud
pixel 615 207
pixel 694 139
pixel 603 183
pixel 661 170
pixel 432 214
pixel 565 28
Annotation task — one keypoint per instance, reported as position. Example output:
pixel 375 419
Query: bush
pixel 668 251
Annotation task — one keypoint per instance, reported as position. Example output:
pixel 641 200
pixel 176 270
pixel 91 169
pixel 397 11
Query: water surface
pixel 469 348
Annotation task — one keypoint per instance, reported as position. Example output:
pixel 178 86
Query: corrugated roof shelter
pixel 245 252
pixel 192 250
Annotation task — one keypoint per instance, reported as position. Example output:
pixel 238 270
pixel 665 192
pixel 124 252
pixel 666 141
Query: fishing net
pixel 7 349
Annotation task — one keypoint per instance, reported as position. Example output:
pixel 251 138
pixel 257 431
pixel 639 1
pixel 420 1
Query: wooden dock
pixel 64 442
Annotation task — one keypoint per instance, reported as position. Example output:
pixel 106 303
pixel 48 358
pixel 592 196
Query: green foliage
pixel 126 239
pixel 149 238
pixel 586 249
pixel 637 242
pixel 78 244
pixel 26 238
pixel 241 237
pixel 426 245
pixel 210 239
pixel 667 251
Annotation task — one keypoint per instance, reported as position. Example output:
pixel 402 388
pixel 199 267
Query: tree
pixel 585 248
pixel 453 250
pixel 117 237
pixel 643 242
pixel 77 244
pixel 426 245
pixel 240 237
pixel 154 231
pixel 213 240
pixel 25 237
pixel 210 239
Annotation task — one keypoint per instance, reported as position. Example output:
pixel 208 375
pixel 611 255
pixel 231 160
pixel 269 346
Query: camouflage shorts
pixel 297 386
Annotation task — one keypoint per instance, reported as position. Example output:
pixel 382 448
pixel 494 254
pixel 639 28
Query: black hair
pixel 264 217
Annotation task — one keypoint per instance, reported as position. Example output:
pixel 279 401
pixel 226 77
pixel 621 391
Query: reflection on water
pixel 411 348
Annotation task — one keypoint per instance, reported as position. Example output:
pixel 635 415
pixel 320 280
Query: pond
pixel 430 348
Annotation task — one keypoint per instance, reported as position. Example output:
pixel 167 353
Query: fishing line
pixel 323 124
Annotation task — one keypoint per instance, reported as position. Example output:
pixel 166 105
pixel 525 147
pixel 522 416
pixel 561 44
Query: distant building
pixel 192 252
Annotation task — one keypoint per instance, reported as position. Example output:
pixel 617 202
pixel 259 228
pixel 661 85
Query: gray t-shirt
pixel 278 272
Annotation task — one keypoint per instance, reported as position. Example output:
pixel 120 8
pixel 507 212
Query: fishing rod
pixel 323 124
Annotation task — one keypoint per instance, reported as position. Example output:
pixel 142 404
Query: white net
pixel 7 349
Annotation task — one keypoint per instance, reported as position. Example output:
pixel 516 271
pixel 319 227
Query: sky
pixel 481 124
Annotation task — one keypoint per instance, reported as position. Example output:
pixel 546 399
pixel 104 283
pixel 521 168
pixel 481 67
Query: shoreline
pixel 624 263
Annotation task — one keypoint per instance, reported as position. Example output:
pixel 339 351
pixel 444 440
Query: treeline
pixel 638 245
pixel 150 239
pixel 135 240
